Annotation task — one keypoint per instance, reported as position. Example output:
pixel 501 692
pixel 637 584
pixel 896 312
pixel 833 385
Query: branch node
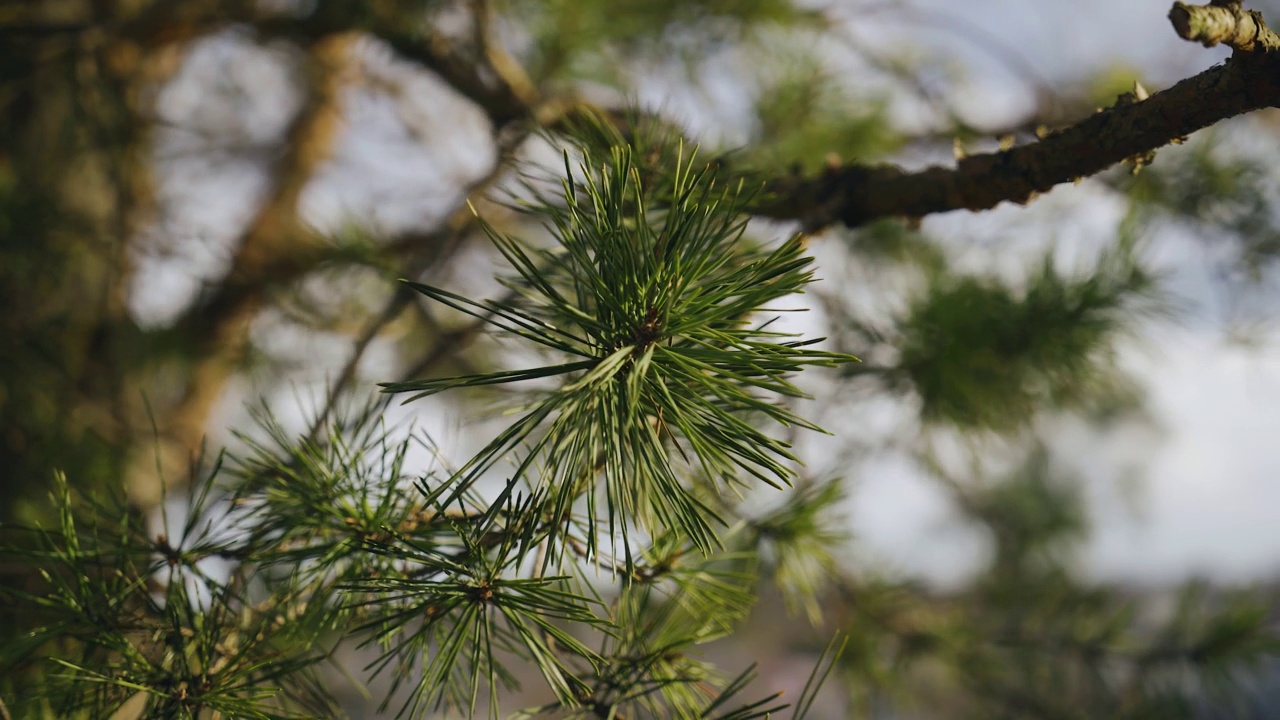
pixel 1224 22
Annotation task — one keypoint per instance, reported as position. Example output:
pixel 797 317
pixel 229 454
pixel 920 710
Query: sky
pixel 1194 493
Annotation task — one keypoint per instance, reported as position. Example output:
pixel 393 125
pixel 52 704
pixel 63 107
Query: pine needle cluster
pixel 668 371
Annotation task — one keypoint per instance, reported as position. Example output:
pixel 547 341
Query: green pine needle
pixel 654 296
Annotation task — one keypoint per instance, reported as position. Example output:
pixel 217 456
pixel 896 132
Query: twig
pixel 449 237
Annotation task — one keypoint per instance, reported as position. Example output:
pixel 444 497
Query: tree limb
pixel 854 195
pixel 275 244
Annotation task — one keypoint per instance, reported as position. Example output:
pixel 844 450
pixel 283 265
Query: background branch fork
pixel 275 245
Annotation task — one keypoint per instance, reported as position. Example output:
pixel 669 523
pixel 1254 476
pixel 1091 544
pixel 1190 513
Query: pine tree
pixel 644 486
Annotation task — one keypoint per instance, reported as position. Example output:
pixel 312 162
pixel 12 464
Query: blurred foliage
pixel 891 243
pixel 1029 639
pixel 61 343
pixel 807 118
pixel 1033 514
pixel 596 40
pixel 981 355
pixel 1226 192
pixel 802 540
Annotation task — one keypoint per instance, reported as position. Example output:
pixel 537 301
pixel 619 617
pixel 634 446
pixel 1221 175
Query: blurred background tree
pixel 205 206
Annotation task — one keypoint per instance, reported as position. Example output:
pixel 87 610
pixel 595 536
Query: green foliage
pixel 573 36
pixel 981 356
pixel 663 310
pixel 802 539
pixel 806 117
pixel 653 300
pixel 1227 193
pixel 323 547
pixel 618 545
pixel 649 663
pixel 133 615
pixel 599 563
pixel 455 611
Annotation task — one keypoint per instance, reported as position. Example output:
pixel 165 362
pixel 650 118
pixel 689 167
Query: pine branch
pixel 854 195
pixel 274 245
pixel 649 301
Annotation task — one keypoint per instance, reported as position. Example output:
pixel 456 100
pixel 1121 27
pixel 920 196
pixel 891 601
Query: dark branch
pixel 499 99
pixel 502 98
pixel 854 195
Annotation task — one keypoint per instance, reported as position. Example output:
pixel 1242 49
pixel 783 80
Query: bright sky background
pixel 1197 493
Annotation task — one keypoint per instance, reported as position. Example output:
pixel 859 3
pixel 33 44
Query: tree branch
pixel 854 195
pixel 1226 22
pixel 508 96
pixel 274 245
pixel 503 101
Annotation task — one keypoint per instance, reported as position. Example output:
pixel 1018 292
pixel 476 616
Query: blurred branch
pixel 505 98
pixel 512 76
pixel 504 101
pixel 854 195
pixel 34 30
pixel 274 248
pixel 271 254
pixel 439 244
pixel 444 240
